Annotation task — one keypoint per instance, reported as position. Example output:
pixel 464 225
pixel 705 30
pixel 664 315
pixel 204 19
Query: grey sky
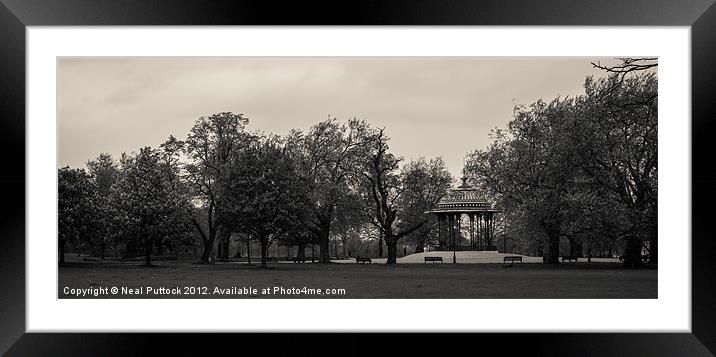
pixel 429 106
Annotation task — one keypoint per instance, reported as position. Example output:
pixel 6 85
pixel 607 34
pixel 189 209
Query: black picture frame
pixel 16 15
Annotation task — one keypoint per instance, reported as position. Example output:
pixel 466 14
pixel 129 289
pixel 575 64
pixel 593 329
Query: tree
pixel 263 194
pixel 349 219
pixel 209 147
pixel 103 170
pixel 149 199
pixel 328 153
pixel 428 182
pixel 583 169
pixel 617 135
pixel 77 208
pixel 384 185
pixel 531 169
pixel 177 224
pixel 629 65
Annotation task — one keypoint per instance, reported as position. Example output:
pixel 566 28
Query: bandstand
pixel 450 211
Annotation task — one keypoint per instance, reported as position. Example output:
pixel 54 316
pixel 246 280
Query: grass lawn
pixel 405 281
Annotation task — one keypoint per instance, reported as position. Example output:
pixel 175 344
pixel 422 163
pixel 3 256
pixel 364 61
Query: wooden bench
pixel 511 259
pixel 570 258
pixel 299 260
pixel 434 259
pixel 363 260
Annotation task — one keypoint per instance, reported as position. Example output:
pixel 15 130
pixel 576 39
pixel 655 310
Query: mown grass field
pixel 404 281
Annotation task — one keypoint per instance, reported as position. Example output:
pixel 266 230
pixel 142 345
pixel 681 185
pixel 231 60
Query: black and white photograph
pixel 190 176
pixel 357 177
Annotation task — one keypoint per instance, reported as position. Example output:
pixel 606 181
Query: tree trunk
pixel 380 245
pixel 325 217
pixel 131 249
pixel 632 254
pixel 653 248
pixel 301 252
pixel 323 241
pixel 248 249
pixel 207 238
pixel 62 250
pixel 264 251
pixel 102 248
pixel 147 251
pixel 208 249
pixel 552 254
pixel 224 246
pixel 344 241
pixel 392 245
pixel 335 247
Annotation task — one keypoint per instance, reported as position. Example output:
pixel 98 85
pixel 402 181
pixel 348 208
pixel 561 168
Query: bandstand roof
pixel 463 199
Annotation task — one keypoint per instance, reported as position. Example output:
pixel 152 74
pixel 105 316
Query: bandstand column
pixel 452 236
pixel 458 230
pixel 488 239
pixel 492 228
pixel 446 231
pixel 441 230
pixel 480 231
pixel 489 228
pixel 477 231
pixel 451 229
pixel 472 231
pixel 483 218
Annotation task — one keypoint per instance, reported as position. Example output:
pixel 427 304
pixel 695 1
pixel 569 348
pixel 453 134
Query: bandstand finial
pixel 464 173
pixel 464 181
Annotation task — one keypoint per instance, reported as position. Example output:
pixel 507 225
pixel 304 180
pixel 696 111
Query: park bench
pixel 511 259
pixel 570 258
pixel 363 260
pixel 434 259
pixel 299 260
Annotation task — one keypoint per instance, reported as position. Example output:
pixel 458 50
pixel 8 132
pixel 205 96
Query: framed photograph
pixel 477 167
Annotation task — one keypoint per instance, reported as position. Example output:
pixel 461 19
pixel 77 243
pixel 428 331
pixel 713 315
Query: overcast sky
pixel 429 107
